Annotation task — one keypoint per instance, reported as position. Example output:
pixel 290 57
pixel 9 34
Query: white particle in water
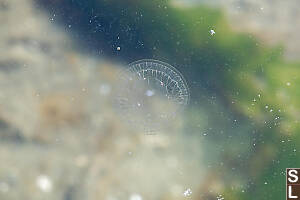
pixel 149 93
pixel 135 197
pixel 212 32
pixel 118 48
pixel 187 192
pixel 288 83
pixel 44 183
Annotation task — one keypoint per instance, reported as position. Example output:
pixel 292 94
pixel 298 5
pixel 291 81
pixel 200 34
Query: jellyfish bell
pixel 151 94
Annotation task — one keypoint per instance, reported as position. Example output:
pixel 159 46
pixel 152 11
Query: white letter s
pixel 293 173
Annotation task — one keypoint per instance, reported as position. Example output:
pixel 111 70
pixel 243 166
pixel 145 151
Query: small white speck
pixel 212 32
pixel 266 106
pixel 44 183
pixel 138 104
pixel 187 192
pixel 288 83
pixel 135 197
pixel 149 93
pixel 266 183
pixel 118 48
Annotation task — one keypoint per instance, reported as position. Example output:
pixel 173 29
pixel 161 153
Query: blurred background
pixel 62 138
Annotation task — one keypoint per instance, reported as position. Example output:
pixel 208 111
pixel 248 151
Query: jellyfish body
pixel 151 93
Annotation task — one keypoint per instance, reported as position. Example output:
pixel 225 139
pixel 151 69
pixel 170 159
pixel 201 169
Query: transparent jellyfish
pixel 151 93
